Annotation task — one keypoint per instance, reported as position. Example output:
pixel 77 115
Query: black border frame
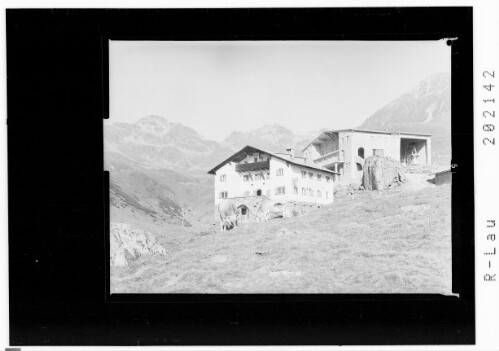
pixel 57 60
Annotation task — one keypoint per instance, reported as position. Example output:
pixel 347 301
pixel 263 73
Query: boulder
pixel 128 244
pixel 382 172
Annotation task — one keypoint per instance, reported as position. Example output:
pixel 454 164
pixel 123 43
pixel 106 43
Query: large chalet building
pixel 253 172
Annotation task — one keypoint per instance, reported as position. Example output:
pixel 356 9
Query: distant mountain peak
pixel 152 119
pixel 273 129
pixel 435 84
pixel 425 108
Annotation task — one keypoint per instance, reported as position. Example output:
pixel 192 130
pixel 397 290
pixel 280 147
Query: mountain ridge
pixel 425 108
pixel 159 168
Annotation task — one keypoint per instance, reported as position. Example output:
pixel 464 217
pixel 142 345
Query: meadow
pixel 391 241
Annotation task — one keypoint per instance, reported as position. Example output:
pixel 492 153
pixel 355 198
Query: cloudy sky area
pixel 219 87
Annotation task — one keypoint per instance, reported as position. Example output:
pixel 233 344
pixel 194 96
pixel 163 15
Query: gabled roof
pixel 241 154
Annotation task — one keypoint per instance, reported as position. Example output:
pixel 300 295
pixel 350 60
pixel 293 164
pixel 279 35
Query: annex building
pixel 344 151
pixel 253 172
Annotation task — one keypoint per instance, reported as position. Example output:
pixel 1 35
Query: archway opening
pixel 244 211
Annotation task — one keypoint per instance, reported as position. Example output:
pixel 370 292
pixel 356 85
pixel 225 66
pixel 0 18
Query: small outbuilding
pixel 443 177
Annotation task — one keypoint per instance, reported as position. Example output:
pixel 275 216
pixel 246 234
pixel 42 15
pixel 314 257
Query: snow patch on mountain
pixel 429 113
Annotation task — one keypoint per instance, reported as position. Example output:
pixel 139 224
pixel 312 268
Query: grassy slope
pixel 395 241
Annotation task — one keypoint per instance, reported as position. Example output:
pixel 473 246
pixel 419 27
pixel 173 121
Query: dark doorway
pixel 244 213
pixel 258 192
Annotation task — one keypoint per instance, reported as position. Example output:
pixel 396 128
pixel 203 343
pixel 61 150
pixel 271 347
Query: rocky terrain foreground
pixel 391 241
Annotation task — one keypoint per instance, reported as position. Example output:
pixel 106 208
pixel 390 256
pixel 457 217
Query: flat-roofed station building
pixel 344 151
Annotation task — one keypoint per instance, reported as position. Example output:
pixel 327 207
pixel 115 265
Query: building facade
pixel 344 151
pixel 253 172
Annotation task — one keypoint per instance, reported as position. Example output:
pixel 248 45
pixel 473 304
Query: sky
pixel 220 87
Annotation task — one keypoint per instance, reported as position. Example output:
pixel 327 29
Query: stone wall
pixel 285 209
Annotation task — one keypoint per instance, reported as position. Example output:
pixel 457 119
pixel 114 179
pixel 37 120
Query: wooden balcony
pixel 329 158
pixel 255 166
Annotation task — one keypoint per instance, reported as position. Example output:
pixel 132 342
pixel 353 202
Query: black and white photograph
pixel 266 174
pixel 248 167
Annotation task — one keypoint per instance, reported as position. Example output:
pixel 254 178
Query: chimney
pixel 291 152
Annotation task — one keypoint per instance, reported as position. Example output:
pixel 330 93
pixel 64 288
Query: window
pixel 223 195
pixel 378 152
pixel 327 195
pixel 328 179
pixel 255 159
pixel 258 176
pixel 319 177
pixel 223 178
pixel 268 175
pixel 304 174
pixel 279 172
pixel 310 192
pixel 304 191
pixel 310 175
pixel 360 152
pixel 246 193
pixel 295 190
pixel 280 190
pixel 319 194
pixel 246 178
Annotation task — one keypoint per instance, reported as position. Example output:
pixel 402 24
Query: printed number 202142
pixel 489 104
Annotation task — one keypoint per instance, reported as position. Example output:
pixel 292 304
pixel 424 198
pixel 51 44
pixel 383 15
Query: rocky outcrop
pixel 129 244
pixel 381 173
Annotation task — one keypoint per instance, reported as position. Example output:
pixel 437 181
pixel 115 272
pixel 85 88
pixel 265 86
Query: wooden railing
pixel 329 158
pixel 244 167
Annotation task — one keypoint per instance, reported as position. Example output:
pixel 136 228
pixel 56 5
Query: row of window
pixel 279 172
pixel 258 176
pixel 310 192
pixel 281 190
pixel 311 176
